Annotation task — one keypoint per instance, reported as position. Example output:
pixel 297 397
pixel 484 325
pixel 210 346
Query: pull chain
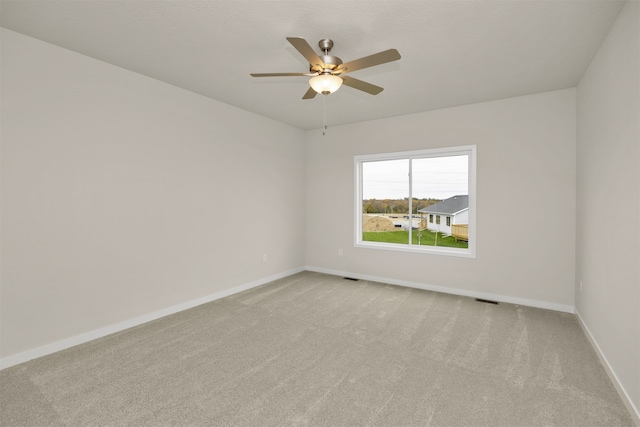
pixel 324 115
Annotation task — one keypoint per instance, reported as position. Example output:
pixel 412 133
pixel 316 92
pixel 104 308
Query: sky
pixel 433 177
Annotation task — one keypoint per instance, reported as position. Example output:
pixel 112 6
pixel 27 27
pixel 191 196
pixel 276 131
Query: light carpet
pixel 319 350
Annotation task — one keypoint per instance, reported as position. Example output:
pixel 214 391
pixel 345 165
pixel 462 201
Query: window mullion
pixel 410 200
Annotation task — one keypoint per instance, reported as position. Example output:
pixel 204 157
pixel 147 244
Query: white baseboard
pixel 446 290
pixel 610 372
pixel 136 321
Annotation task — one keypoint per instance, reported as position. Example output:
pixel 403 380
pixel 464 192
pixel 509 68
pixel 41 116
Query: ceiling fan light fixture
pixel 325 83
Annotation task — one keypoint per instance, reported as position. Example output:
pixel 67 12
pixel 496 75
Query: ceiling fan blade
pixel 369 61
pixel 276 74
pixel 310 94
pixel 360 85
pixel 307 51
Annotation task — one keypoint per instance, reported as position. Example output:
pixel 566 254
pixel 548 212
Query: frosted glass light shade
pixel 325 83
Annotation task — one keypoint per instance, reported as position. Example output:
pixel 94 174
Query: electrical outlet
pixel 264 257
pixel 340 252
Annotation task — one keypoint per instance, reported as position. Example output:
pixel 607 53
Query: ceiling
pixel 453 52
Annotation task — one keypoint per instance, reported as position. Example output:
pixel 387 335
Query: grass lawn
pixel 428 238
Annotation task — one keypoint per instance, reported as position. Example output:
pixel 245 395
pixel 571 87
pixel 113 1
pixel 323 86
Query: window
pixel 399 194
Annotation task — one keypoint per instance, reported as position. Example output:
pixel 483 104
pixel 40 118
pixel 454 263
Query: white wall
pixel 461 218
pixel 608 161
pixel 122 195
pixel 525 162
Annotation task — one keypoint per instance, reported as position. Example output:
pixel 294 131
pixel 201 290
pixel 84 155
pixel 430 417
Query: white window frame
pixel 469 150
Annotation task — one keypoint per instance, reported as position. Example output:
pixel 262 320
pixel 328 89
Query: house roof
pixel 450 206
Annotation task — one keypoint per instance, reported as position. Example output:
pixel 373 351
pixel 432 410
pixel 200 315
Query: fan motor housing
pixel 330 62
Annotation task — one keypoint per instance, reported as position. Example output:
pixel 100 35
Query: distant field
pixel 428 238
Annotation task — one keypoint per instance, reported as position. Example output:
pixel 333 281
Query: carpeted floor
pixel 314 349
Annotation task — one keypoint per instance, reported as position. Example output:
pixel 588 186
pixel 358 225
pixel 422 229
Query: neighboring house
pixel 443 215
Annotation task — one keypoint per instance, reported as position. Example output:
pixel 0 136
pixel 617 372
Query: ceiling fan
pixel 327 72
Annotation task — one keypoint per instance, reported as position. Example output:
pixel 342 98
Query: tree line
pixel 399 206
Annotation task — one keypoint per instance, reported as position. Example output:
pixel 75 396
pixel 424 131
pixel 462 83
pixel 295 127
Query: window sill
pixel 430 250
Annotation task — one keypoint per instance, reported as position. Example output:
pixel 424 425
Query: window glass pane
pixel 440 187
pixel 439 178
pixel 385 201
